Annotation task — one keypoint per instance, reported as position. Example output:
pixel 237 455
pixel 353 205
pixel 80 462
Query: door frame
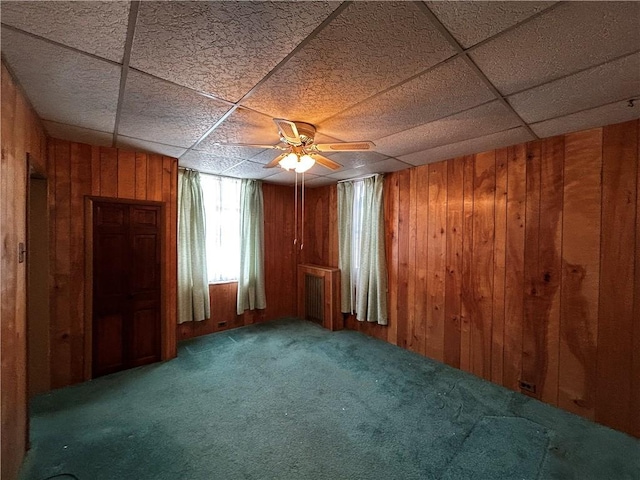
pixel 88 292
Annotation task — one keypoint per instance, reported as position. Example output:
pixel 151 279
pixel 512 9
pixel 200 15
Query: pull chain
pixel 302 236
pixel 295 233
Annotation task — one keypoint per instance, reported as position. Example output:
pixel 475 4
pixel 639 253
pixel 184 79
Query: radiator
pixel 319 295
pixel 314 298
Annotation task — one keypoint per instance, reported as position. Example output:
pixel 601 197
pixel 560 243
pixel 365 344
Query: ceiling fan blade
pixel 325 162
pixel 275 161
pixel 345 146
pixel 288 131
pixel 253 145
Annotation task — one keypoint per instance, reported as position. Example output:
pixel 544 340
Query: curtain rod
pixel 216 174
pixel 358 178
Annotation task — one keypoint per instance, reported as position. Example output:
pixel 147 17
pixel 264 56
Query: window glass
pixel 222 215
pixel 356 232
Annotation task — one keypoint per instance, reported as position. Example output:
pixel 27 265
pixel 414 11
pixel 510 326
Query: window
pixel 361 250
pixel 222 216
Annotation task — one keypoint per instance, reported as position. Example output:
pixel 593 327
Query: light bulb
pixel 306 162
pixel 289 162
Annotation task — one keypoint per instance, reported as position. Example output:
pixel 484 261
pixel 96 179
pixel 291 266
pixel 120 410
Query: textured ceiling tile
pixel 466 147
pixel 245 153
pixel 606 115
pixel 249 169
pixel 318 169
pixel 443 91
pixel 319 182
pixel 289 178
pixel 385 166
pixel 138 145
pixel 99 28
pixel 64 86
pixel 264 156
pixel 223 48
pixel 483 120
pixel 472 22
pixel 78 134
pixel 158 111
pixel 601 85
pixel 573 36
pixel 350 160
pixel 243 126
pixel 370 46
pixel 205 162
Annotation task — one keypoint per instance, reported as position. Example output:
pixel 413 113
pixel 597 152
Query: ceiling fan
pixel 300 152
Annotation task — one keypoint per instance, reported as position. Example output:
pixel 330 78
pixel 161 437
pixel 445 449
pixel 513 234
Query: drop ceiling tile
pixel 318 169
pixel 320 182
pixel 596 117
pixel 205 162
pixel 600 85
pixel 78 134
pixel 369 47
pixel 64 86
pixel 385 166
pixel 249 169
pixel 223 48
pixel 483 120
pixel 243 126
pixel 568 38
pixel 289 178
pixel 350 160
pixel 162 112
pixel 264 156
pixel 138 145
pixel 467 147
pixel 472 22
pixel 99 28
pixel 447 89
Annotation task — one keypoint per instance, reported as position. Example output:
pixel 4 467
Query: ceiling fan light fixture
pixel 305 163
pixel 289 162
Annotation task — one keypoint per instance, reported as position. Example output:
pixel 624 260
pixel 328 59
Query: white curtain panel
pixel 371 290
pixel 251 294
pixel 361 250
pixel 345 218
pixel 193 287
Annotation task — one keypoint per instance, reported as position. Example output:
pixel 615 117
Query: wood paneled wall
pixel 22 133
pixel 519 264
pixel 280 272
pixel 75 171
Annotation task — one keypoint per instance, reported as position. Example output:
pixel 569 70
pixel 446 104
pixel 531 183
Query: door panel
pixel 109 352
pixel 110 257
pixel 110 215
pixel 146 267
pixel 144 217
pixel 127 285
pixel 145 337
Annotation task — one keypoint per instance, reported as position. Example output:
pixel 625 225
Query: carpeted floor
pixel 290 400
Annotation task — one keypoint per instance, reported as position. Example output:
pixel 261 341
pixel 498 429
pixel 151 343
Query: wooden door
pixel 126 285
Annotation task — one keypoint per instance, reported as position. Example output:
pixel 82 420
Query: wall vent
pixel 314 298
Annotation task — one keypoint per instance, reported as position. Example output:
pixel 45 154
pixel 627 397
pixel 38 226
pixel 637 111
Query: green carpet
pixel 290 400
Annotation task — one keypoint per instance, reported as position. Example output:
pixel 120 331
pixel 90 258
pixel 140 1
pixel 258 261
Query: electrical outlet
pixel 527 387
pixel 222 324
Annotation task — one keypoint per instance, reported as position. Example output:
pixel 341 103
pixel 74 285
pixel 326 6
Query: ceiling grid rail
pixel 463 54
pixel 128 45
